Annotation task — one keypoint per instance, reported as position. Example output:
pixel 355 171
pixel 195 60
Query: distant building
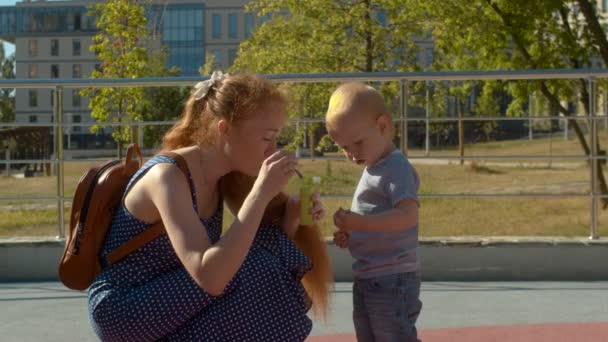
pixel 52 40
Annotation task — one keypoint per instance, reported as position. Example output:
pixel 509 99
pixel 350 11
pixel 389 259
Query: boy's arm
pixel 404 215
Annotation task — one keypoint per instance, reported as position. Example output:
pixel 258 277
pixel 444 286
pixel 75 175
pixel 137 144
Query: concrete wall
pixel 449 259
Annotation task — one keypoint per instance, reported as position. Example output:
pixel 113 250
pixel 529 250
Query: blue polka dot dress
pixel 149 295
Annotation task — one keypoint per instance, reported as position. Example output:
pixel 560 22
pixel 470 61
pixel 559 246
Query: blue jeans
pixel 386 308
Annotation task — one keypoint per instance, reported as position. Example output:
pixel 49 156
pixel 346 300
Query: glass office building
pixel 53 38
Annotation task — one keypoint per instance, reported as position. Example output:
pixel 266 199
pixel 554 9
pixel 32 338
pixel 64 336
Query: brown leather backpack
pixel 98 193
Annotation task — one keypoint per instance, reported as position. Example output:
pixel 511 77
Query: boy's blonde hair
pixel 355 98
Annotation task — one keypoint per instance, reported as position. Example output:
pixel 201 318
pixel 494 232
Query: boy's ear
pixel 384 122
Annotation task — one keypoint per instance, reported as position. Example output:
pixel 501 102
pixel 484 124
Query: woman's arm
pixel 212 266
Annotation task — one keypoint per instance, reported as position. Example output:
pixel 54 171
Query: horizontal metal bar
pixel 506 157
pixel 543 157
pixel 316 78
pixel 341 158
pixel 100 160
pixel 307 120
pixel 30 161
pixel 471 118
pixel 502 118
pixel 488 195
pixel 443 75
pixel 32 198
pixel 347 196
pixel 55 161
pixel 501 195
pixel 27 124
pixel 89 124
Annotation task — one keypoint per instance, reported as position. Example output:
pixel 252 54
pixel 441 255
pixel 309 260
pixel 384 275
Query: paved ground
pixel 453 311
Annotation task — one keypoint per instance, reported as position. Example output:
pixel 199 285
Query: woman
pixel 192 283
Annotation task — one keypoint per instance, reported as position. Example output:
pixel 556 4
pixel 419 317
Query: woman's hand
pixel 291 220
pixel 274 174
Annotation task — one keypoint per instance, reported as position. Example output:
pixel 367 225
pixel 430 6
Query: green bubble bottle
pixel 306 192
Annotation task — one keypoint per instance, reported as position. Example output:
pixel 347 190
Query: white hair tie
pixel 202 88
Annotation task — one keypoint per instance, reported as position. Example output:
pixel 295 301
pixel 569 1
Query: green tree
pixel 521 34
pixel 121 46
pixel 321 36
pixel 209 67
pixel 7 96
pixel 162 103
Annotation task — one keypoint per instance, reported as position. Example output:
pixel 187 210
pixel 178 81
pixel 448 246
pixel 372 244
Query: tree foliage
pixel 328 36
pixel 121 46
pixel 520 35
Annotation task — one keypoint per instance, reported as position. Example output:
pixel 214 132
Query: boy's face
pixel 363 138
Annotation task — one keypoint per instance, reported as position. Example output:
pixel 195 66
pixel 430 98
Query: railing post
pixel 530 121
pixel 298 148
pixel 403 105
pixel 7 157
pixel 605 105
pixel 594 161
pixel 140 136
pixel 58 114
pixel 427 126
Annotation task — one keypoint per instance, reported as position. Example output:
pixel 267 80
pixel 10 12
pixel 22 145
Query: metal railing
pixel 403 78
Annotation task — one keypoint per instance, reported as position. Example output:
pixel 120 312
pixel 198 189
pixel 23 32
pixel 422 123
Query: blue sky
pixel 8 48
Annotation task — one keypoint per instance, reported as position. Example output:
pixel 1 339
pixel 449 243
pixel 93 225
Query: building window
pixel 33 71
pixel 216 29
pixel 33 118
pixel 54 47
pixel 77 21
pixel 33 98
pixel 54 70
pixel 76 98
pixel 217 56
pixel 231 56
pixel 604 6
pixel 76 47
pixel 33 48
pixel 76 71
pixel 52 97
pixel 232 26
pixel 266 18
pixel 76 119
pixel 248 25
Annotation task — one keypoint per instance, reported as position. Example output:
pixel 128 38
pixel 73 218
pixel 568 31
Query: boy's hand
pixel 341 239
pixel 346 220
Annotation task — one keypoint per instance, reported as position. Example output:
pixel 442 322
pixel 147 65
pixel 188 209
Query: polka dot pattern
pixel 149 295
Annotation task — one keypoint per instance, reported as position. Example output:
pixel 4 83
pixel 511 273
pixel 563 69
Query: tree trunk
pixel 600 37
pixel 369 47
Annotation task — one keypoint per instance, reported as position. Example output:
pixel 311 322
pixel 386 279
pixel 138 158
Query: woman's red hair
pixel 237 98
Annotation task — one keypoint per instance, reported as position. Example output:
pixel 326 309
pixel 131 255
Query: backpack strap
pixel 151 233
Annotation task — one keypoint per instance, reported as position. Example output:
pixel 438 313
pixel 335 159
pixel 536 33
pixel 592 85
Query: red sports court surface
pixel 559 332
